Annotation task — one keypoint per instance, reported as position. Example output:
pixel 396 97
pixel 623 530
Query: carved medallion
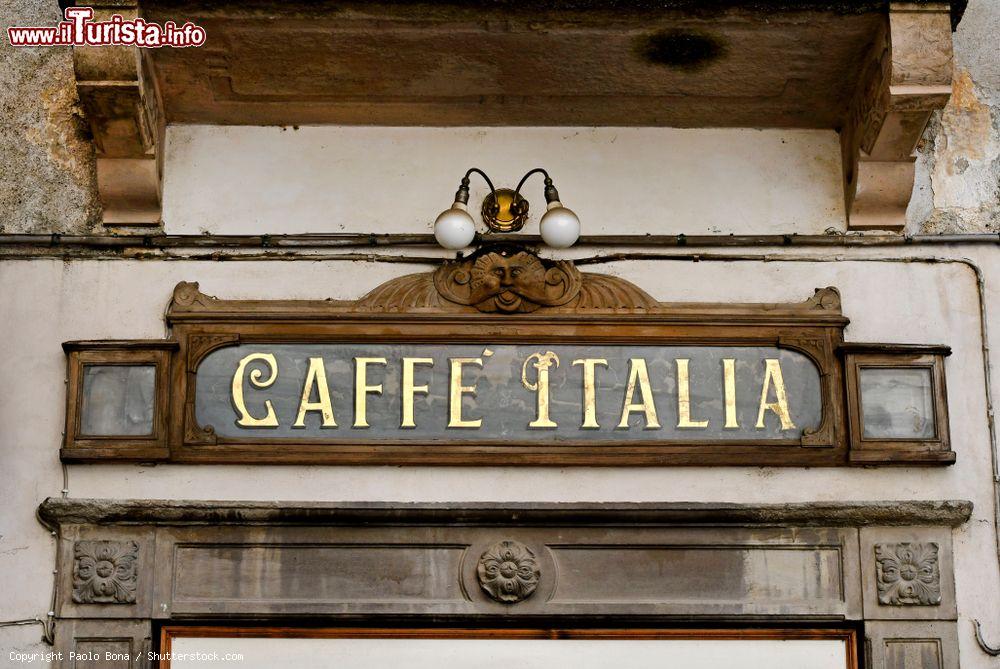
pixel 508 572
pixel 105 572
pixel 908 574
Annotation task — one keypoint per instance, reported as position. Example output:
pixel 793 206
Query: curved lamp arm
pixel 551 194
pixel 462 195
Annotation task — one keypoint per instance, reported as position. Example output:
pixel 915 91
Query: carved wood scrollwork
pixel 821 350
pixel 508 279
pixel 187 295
pixel 201 345
pixel 194 433
pixel 825 298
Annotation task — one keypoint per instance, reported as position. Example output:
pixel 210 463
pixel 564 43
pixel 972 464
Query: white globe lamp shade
pixel 454 228
pixel 560 227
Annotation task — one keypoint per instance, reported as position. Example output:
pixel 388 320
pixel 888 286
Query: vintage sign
pixel 498 392
pixel 499 358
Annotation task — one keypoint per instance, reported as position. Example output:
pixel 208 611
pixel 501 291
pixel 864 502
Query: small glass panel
pixel 897 403
pixel 118 400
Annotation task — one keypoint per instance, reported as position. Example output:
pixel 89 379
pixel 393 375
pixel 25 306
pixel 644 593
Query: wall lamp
pixel 505 210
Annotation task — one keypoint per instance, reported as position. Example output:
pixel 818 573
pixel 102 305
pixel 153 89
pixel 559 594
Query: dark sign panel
pixel 506 392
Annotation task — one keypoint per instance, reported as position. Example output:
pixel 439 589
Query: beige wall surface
pixel 252 180
pixel 886 297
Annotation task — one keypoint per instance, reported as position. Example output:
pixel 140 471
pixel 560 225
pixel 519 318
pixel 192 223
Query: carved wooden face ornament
pixel 508 282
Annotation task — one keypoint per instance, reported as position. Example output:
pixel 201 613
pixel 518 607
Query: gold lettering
pixel 590 391
pixel 245 419
pixel 541 387
pixel 315 376
pixel 772 374
pixel 684 397
pixel 638 372
pixel 409 390
pixel 729 377
pixel 361 389
pixel 457 390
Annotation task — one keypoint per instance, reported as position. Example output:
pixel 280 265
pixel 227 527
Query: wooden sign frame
pixel 499 295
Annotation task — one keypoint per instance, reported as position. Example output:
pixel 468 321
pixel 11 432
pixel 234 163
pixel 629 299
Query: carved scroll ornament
pixel 497 279
pixel 508 279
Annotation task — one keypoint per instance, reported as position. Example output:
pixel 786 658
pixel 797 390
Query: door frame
pixel 169 632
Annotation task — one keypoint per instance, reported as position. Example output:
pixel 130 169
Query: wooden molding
pixel 79 354
pixel 117 93
pixel 913 450
pixel 907 77
pixel 505 281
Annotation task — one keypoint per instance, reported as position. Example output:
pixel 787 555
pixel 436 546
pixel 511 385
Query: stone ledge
pixel 59 512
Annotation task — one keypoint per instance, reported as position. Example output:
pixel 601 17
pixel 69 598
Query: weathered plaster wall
pixel 47 177
pixel 958 169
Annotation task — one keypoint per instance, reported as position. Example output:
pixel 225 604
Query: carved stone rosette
pixel 508 572
pixel 105 572
pixel 908 574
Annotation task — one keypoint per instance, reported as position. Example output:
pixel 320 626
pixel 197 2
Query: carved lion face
pixel 507 279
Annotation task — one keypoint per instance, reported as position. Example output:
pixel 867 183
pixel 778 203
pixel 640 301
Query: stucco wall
pixel 242 180
pixel 957 187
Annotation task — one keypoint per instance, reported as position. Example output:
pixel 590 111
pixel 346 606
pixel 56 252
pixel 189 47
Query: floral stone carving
pixel 508 572
pixel 908 574
pixel 105 572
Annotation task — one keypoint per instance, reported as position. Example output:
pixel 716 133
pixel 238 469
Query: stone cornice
pixel 59 512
